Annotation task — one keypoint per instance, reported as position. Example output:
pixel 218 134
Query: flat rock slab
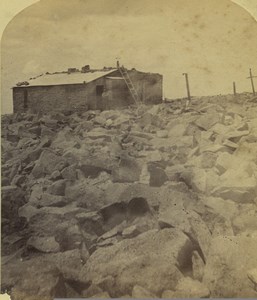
pixel 43 244
pixel 228 262
pixel 150 260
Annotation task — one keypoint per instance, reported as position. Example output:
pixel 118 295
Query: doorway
pixel 99 96
pixel 99 90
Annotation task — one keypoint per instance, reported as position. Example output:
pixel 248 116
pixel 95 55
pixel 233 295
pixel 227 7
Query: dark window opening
pixel 99 90
pixel 25 104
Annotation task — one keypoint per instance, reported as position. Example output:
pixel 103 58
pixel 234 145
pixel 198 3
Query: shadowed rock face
pixel 153 203
pixel 116 213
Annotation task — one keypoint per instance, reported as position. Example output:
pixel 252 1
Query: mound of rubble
pixel 140 203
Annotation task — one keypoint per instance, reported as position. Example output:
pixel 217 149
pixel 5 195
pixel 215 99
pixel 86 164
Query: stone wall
pixel 148 86
pixel 59 98
pixel 119 93
pixel 80 96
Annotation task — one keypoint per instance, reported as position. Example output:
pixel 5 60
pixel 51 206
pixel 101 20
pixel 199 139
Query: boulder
pixel 252 275
pixel 99 120
pixel 237 186
pixel 43 244
pixel 229 260
pixel 98 133
pixel 104 295
pixel 157 175
pixel 208 160
pixel 38 280
pixel 117 230
pixel 56 175
pixel 213 147
pixel 12 198
pixel 206 121
pixel 128 170
pixel 145 175
pixel 18 180
pixel 245 220
pixel 92 291
pixel 47 163
pixel 162 133
pixel 114 214
pixel 177 130
pixel 91 223
pixel 83 126
pixel 86 195
pixel 149 119
pixel 57 188
pixel 227 161
pixel 222 227
pixel 140 292
pixel 189 288
pixel 27 211
pixel 221 129
pixel 248 150
pixel 71 237
pixel 48 220
pixel 125 192
pixel 150 260
pixel 70 173
pixel 234 136
pixel 179 142
pixel 47 132
pixel 93 170
pixel 197 266
pixel 218 206
pixel 130 232
pixel 4 181
pixel 27 142
pixel 199 180
pixel 229 144
pixel 167 294
pixel 52 200
pixel 190 223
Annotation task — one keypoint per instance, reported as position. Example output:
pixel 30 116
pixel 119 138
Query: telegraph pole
pixel 251 77
pixel 234 88
pixel 187 86
pixel 117 62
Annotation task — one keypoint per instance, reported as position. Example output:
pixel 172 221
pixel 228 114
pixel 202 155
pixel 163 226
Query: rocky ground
pixel 151 202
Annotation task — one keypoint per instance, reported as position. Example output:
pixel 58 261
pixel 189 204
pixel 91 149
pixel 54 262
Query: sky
pixel 214 41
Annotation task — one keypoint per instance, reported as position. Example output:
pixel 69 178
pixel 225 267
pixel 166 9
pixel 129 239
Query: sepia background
pixel 214 41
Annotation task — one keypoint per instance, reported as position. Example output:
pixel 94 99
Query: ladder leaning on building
pixel 129 84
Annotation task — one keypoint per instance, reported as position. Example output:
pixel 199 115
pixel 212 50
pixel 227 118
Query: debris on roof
pixel 72 76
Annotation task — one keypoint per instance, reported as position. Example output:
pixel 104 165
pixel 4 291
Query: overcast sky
pixel 214 41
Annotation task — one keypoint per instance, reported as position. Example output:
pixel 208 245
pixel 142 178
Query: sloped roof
pixel 65 78
pixel 114 78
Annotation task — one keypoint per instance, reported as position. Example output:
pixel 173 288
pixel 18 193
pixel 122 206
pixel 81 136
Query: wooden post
pixel 234 88
pixel 187 86
pixel 251 77
pixel 117 62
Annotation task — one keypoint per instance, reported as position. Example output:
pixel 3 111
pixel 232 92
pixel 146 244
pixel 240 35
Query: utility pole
pixel 117 62
pixel 234 88
pixel 188 91
pixel 187 85
pixel 251 77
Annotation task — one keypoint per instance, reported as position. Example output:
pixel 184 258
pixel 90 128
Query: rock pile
pixel 149 202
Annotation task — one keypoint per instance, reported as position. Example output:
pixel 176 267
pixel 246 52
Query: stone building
pixel 85 89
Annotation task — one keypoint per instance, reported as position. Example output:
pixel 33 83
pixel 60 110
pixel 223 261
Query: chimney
pixel 118 64
pixel 85 69
pixel 72 70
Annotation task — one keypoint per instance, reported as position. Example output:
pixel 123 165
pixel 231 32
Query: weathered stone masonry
pixel 70 97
